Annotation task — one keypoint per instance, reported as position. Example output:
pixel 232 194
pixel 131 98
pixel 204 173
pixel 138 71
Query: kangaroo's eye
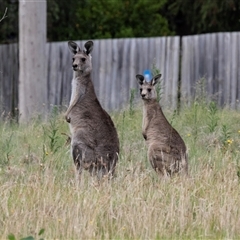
pixel 149 89
pixel 83 59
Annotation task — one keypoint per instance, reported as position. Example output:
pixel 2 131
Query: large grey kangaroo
pixel 94 139
pixel 166 149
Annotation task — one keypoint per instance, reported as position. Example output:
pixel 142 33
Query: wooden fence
pixel 8 78
pixel 115 64
pixel 215 57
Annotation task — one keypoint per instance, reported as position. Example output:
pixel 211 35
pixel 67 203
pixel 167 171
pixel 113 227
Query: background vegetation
pixel 40 191
pixel 92 19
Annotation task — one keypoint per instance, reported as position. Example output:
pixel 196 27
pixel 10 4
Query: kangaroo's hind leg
pixel 159 160
pixel 83 156
pixel 77 156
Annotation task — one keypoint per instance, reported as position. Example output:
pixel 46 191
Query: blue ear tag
pixel 147 75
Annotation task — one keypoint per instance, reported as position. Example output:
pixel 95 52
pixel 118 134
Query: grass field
pixel 39 188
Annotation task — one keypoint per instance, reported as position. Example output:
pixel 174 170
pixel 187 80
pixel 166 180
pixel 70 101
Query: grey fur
pixel 166 149
pixel 94 139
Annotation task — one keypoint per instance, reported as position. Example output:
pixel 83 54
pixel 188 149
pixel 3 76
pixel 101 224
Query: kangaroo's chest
pixel 73 92
pixel 146 120
pixel 145 123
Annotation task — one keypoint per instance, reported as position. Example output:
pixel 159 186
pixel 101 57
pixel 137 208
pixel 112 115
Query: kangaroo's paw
pixel 68 140
pixel 68 119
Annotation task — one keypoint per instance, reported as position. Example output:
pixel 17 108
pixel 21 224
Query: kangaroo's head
pixel 81 58
pixel 147 89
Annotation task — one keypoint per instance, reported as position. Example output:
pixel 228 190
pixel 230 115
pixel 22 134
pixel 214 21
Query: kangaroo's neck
pixel 82 77
pixel 82 85
pixel 150 104
pixel 152 108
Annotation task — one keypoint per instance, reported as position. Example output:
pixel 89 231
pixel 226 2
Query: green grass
pixel 39 188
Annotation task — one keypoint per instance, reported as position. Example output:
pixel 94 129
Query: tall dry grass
pixel 39 187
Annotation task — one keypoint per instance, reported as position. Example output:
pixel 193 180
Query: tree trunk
pixel 32 60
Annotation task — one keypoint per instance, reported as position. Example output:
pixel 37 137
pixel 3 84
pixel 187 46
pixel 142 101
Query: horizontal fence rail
pixel 212 57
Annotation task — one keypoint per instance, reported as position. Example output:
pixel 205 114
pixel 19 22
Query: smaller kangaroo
pixel 166 149
pixel 94 139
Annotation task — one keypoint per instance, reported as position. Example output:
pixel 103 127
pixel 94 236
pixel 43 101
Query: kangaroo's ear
pixel 140 78
pixel 74 48
pixel 88 47
pixel 156 79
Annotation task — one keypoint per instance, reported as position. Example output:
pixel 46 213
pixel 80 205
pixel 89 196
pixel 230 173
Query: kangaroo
pixel 94 139
pixel 166 149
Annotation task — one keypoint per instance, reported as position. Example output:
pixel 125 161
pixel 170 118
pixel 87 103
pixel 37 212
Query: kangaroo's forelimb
pixel 80 91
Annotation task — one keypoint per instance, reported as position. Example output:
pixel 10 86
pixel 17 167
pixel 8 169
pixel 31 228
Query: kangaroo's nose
pixel 74 65
pixel 143 95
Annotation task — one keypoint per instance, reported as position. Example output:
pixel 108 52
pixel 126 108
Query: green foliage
pixel 212 116
pixel 225 136
pixel 4 15
pixel 12 236
pixel 9 26
pixel 194 17
pixel 131 101
pixel 108 19
pixel 112 209
pixel 174 115
pixel 52 133
pixel 198 108
pixel 94 19
pixel 122 137
pixel 6 147
pixel 238 172
pixel 91 19
pixel 201 93
pixel 196 119
pixel 159 86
